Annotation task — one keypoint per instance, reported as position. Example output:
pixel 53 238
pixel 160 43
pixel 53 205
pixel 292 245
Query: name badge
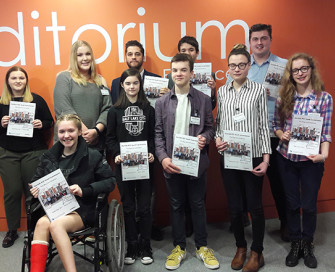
pixel 104 91
pixel 313 114
pixel 195 120
pixel 239 117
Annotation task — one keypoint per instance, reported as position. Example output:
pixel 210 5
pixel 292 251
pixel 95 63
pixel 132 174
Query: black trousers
pixel 136 201
pixel 237 182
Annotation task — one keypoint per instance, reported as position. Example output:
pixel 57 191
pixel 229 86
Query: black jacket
pixel 91 172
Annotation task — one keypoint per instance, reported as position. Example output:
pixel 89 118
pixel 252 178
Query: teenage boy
pixel 134 52
pixel 189 45
pixel 185 110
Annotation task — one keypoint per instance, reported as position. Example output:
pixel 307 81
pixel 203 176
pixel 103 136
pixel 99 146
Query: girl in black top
pixel 19 155
pixel 87 174
pixel 133 119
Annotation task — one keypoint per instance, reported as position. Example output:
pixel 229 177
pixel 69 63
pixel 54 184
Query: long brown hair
pixel 7 93
pixel 288 89
pixel 123 101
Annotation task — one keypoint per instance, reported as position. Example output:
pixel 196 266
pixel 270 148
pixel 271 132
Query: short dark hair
pixel 190 40
pixel 181 57
pixel 123 101
pixel 260 27
pixel 134 43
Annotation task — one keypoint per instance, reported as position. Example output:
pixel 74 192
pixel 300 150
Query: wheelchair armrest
pixel 101 208
pixel 101 202
pixel 32 204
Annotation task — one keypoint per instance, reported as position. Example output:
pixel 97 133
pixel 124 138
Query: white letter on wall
pixel 55 28
pixel 120 36
pixel 20 37
pixel 103 32
pixel 223 32
pixel 156 45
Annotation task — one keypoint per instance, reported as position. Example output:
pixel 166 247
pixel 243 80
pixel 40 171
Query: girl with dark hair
pixel 135 194
pixel 19 155
pixel 302 93
pixel 242 107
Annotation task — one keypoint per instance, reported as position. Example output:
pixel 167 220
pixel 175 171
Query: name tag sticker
pixel 104 91
pixel 195 120
pixel 313 114
pixel 239 117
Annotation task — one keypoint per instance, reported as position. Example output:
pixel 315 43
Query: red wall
pixel 297 26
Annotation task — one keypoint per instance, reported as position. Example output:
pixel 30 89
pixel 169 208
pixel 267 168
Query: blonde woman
pixel 87 174
pixel 82 91
pixel 19 155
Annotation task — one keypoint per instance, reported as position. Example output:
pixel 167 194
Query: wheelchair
pixel 108 231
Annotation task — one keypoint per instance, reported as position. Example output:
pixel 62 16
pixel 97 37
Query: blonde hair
pixel 288 89
pixel 7 93
pixel 69 117
pixel 73 66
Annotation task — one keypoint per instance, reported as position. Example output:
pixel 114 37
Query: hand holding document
pixel 186 154
pixel 21 117
pixel 54 195
pixel 135 163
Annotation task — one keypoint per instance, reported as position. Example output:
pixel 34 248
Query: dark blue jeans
pixel 136 201
pixel 301 182
pixel 238 182
pixel 180 187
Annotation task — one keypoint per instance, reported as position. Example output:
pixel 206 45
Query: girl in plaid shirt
pixel 302 93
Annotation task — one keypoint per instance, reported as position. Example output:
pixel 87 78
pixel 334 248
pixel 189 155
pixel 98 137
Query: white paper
pixel 152 86
pixel 135 164
pixel 54 195
pixel 201 73
pixel 272 85
pixel 21 117
pixel 186 154
pixel 239 152
pixel 305 135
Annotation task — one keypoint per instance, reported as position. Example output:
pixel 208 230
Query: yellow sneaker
pixel 207 256
pixel 174 259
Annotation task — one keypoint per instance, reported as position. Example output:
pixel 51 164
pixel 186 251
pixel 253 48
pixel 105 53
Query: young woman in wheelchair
pixel 135 194
pixel 87 174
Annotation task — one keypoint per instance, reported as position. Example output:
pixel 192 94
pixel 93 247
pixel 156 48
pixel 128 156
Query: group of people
pixel 87 125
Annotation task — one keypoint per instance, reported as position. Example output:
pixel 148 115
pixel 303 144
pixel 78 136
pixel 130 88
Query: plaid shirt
pixel 323 104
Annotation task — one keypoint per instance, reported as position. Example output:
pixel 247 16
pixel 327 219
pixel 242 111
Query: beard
pixel 138 66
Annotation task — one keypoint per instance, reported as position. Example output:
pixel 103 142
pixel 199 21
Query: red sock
pixel 38 258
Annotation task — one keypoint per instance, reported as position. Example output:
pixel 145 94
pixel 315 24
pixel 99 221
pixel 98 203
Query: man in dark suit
pixel 134 52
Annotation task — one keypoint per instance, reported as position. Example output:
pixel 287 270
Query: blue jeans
pixel 180 187
pixel 301 182
pixel 237 183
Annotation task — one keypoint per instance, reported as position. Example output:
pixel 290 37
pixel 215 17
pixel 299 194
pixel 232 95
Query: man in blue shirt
pixel 260 39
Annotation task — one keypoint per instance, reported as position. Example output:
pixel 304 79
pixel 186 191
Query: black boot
pixel 308 255
pixel 293 257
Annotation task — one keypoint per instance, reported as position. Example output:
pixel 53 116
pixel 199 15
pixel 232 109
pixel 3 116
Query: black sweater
pixel 130 124
pixel 24 144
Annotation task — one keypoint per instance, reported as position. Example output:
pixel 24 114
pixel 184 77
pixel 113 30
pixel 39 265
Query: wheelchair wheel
pixel 115 237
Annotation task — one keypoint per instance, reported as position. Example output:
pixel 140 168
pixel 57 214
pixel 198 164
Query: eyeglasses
pixel 303 69
pixel 240 66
